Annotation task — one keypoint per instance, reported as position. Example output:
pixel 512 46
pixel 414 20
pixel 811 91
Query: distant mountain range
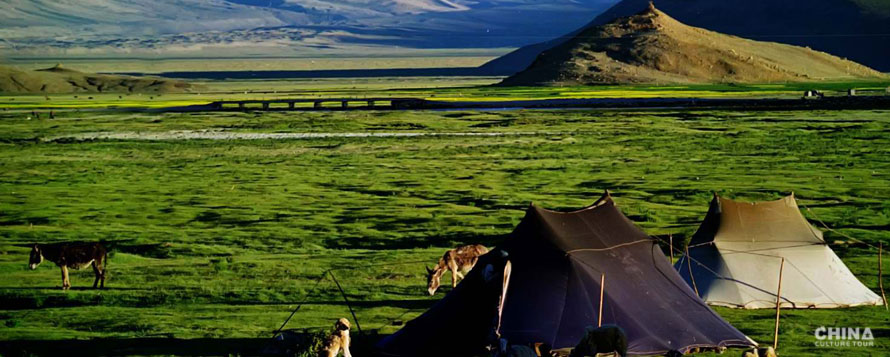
pixel 280 27
pixel 653 48
pixel 855 29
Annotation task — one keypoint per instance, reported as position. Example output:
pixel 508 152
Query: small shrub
pixel 298 343
pixel 220 264
pixel 310 348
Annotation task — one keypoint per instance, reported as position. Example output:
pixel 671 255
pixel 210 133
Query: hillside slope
pixel 854 29
pixel 62 80
pixel 652 47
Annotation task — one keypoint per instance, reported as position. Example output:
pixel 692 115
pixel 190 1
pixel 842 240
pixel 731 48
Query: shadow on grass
pixel 62 301
pixel 294 342
pixel 413 243
pixel 136 346
pixel 158 250
pixel 73 288
pixel 414 304
pixel 24 298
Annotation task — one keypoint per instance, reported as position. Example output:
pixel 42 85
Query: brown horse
pixel 74 256
pixel 459 260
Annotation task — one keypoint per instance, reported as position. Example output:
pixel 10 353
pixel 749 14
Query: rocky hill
pixel 854 29
pixel 62 80
pixel 652 47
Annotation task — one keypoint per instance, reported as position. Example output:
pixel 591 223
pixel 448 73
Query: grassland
pixel 455 89
pixel 220 239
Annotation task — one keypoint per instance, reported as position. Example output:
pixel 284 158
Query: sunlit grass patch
pixel 223 238
pixel 445 89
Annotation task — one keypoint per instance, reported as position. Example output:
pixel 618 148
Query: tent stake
pixel 671 242
pixel 599 321
pixel 689 265
pixel 778 305
pixel 881 273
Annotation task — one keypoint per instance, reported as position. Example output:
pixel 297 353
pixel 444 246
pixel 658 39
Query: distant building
pixel 813 94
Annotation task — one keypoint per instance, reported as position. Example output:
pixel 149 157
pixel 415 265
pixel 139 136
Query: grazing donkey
pixel 74 256
pixel 459 260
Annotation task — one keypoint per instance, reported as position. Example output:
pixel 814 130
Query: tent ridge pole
pixel 599 320
pixel 881 274
pixel 689 266
pixel 505 285
pixel 671 242
pixel 778 305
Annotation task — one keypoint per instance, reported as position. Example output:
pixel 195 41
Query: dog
pixel 605 339
pixel 505 349
pixel 338 340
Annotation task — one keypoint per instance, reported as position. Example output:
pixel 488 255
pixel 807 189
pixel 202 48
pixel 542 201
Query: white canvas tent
pixel 737 251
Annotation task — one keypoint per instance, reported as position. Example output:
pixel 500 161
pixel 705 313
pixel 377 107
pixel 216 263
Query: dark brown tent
pixel 552 292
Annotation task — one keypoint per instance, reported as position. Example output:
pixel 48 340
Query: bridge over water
pixel 318 103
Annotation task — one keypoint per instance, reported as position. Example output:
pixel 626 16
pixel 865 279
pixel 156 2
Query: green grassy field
pixel 435 88
pixel 220 239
